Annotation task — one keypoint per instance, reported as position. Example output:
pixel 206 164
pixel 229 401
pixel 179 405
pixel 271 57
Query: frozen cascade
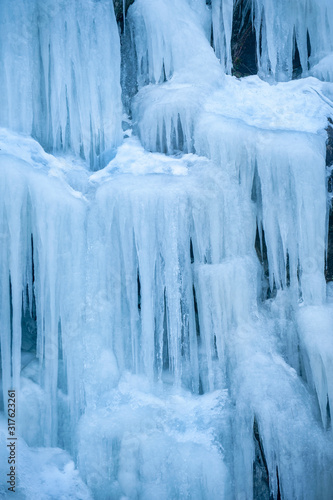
pixel 147 342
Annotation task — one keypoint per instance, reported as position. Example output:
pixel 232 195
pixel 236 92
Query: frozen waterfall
pixel 165 234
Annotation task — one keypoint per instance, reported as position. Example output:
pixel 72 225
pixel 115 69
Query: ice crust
pixel 324 69
pixel 166 317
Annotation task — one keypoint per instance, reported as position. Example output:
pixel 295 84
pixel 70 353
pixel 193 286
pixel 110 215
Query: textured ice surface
pixel 171 41
pixel 300 105
pixel 165 320
pixel 324 69
pixel 137 443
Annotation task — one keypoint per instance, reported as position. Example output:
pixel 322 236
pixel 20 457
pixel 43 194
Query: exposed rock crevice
pixel 329 164
pixel 119 9
pixel 260 470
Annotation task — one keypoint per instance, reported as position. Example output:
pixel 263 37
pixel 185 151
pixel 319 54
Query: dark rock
pixel 243 41
pixel 329 144
pixel 119 9
pixel 329 163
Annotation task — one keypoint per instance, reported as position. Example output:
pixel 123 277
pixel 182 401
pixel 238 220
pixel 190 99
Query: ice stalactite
pixel 138 314
pixel 163 330
pixel 247 351
pixel 222 16
pixel 168 121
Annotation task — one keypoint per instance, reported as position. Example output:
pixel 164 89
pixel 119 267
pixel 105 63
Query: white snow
pixel 43 473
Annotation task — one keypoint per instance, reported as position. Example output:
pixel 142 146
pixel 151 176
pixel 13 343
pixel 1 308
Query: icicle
pixel 222 13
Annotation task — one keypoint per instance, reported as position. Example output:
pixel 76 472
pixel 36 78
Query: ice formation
pixel 165 319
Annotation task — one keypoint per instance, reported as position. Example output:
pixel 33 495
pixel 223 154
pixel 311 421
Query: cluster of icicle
pixel 279 27
pixel 60 81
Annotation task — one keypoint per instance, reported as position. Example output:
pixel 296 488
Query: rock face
pixel 329 163
pixel 243 42
pixel 119 8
